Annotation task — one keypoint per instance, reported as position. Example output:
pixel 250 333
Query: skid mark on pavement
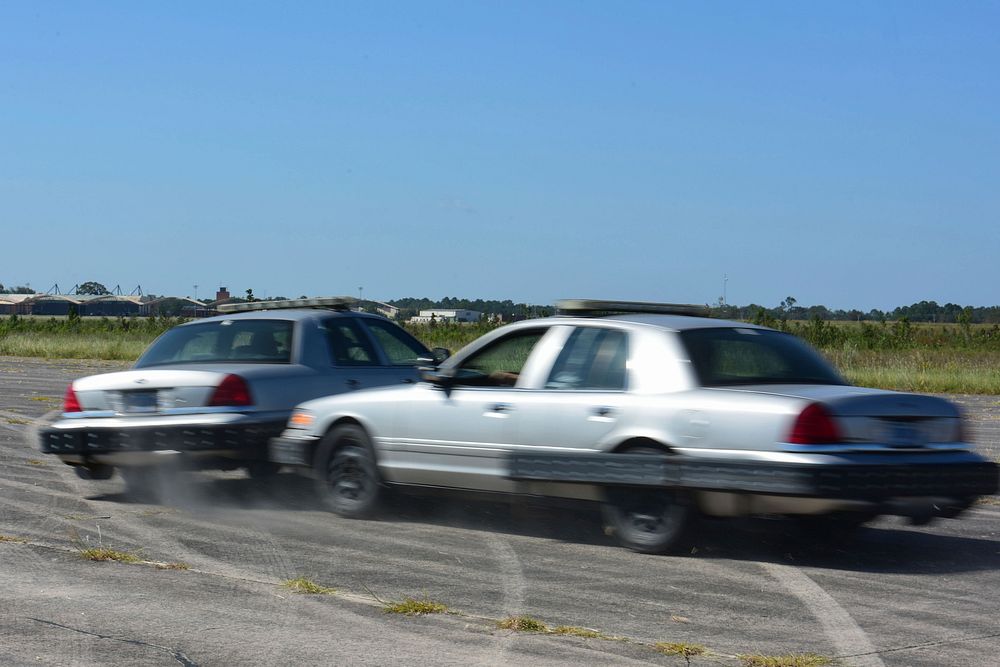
pixel 513 586
pixel 838 626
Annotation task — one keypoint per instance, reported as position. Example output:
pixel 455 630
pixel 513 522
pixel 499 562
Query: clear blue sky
pixel 846 154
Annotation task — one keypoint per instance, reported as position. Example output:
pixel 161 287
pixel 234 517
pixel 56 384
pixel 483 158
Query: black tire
pixel 262 469
pixel 348 482
pixel 646 520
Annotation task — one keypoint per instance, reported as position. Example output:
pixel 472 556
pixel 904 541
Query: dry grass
pixel 104 554
pixel 577 632
pixel 12 539
pixel 793 660
pixel 522 624
pixel 173 566
pixel 683 649
pixel 414 607
pixel 305 586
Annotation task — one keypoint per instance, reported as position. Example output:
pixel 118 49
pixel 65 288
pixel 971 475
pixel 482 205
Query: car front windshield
pixel 744 356
pixel 229 341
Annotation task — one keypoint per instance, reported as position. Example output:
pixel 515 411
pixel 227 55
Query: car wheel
pixel 646 520
pixel 348 481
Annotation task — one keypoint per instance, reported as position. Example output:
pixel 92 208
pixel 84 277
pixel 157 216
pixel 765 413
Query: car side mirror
pixel 442 379
pixel 437 356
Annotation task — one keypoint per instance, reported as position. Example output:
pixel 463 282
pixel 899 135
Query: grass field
pixel 893 355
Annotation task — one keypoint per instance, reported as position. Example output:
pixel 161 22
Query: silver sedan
pixel 656 413
pixel 211 392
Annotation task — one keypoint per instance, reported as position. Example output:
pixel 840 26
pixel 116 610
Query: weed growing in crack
pixel 307 587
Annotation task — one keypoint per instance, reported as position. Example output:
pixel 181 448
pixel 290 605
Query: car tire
pixel 347 478
pixel 649 521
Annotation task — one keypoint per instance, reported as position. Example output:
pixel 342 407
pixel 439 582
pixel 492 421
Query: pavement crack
pixel 175 653
pixel 940 642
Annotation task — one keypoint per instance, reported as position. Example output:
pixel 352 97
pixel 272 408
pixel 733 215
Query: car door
pixel 581 399
pixel 355 361
pixel 459 435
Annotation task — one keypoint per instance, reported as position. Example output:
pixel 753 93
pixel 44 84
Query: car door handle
pixel 501 407
pixel 603 411
pixel 352 383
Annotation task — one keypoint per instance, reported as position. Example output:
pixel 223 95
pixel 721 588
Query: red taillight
pixel 70 402
pixel 814 426
pixel 232 391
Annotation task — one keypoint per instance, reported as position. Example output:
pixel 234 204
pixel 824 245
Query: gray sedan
pixel 209 393
pixel 656 413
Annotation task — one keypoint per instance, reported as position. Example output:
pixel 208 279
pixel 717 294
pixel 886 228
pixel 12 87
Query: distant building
pixel 223 294
pixel 14 304
pixel 446 315
pixel 113 305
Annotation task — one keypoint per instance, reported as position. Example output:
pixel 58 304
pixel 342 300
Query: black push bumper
pixel 292 451
pixel 250 438
pixel 844 477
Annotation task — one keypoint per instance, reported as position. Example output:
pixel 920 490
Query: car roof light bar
pixel 595 307
pixel 329 302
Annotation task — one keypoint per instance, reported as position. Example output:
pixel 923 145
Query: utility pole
pixel 195 292
pixel 360 290
pixel 725 279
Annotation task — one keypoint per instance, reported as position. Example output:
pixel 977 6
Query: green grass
pixel 924 370
pixel 933 358
pixel 305 586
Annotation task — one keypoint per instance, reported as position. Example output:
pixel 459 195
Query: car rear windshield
pixel 740 356
pixel 244 341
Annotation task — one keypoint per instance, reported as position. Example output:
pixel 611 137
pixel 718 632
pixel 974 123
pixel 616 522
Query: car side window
pixel 349 346
pixel 401 349
pixel 499 364
pixel 592 358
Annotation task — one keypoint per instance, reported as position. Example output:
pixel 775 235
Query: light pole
pixel 725 279
pixel 195 292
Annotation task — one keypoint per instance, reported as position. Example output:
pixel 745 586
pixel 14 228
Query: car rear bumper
pixel 126 440
pixel 961 475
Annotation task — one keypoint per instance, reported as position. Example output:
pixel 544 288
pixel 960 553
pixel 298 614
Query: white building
pixel 446 315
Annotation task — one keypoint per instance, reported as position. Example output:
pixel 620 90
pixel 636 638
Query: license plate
pixel 140 401
pixel 905 435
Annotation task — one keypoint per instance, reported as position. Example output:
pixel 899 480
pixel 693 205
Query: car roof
pixel 287 314
pixel 666 322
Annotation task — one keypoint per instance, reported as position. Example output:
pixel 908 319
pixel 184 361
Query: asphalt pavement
pixel 897 595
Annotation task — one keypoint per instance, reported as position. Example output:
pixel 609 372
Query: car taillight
pixel 814 426
pixel 70 402
pixel 232 391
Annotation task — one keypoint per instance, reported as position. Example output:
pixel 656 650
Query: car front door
pixel 459 435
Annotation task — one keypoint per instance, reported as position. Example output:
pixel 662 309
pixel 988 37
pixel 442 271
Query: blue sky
pixel 846 154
